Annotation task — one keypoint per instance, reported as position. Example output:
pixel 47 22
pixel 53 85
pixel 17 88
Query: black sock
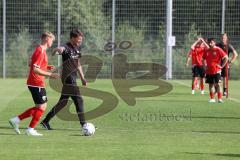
pixel 78 101
pixel 224 89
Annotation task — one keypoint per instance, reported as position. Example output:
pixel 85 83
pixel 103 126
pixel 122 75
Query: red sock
pixel 196 81
pixel 202 85
pixel 193 86
pixel 36 117
pixel 212 95
pixel 219 95
pixel 27 113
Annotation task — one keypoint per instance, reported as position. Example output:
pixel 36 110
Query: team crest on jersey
pixel 44 98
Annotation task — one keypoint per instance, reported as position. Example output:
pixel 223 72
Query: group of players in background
pixel 212 61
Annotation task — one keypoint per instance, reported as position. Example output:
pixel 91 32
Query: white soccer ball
pixel 88 129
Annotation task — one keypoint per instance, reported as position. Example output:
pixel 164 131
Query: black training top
pixel 229 47
pixel 70 59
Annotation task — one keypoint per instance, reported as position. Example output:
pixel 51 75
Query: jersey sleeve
pixel 37 57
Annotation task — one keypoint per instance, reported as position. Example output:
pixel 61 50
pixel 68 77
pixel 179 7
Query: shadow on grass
pixel 210 117
pixel 78 135
pixel 218 132
pixel 216 154
pixel 8 134
pixel 170 100
pixel 40 128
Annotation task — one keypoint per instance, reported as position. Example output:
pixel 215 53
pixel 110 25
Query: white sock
pixel 16 119
pixel 30 129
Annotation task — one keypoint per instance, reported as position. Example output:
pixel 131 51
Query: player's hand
pixel 187 64
pixel 84 82
pixel 51 67
pixel 54 75
pixel 219 66
pixel 58 50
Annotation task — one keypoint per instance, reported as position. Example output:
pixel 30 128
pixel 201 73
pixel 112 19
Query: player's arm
pixel 80 72
pixel 235 54
pixel 224 58
pixel 195 43
pixel 224 61
pixel 205 44
pixel 58 51
pixel 37 60
pixel 188 59
pixel 41 72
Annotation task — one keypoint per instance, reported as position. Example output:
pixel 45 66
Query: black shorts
pixel 39 95
pixel 198 71
pixel 213 78
pixel 223 73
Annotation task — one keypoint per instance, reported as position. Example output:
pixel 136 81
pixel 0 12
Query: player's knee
pixel 42 106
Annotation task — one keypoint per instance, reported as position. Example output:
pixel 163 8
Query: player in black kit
pixel 229 49
pixel 71 66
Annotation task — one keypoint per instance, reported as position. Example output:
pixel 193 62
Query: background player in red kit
pixel 196 53
pixel 216 59
pixel 38 69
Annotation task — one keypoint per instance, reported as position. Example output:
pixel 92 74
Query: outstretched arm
pixel 41 72
pixel 58 51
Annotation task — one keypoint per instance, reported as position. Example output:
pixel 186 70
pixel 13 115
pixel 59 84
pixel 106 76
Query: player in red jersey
pixel 36 85
pixel 196 53
pixel 216 59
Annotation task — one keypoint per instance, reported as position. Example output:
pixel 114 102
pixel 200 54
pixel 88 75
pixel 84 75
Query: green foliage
pixel 190 37
pixel 129 33
pixel 179 55
pixel 144 47
pixel 17 55
pixel 87 16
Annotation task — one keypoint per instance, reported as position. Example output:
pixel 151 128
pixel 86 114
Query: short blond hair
pixel 47 34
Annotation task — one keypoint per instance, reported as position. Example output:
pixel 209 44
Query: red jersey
pixel 213 57
pixel 196 55
pixel 39 59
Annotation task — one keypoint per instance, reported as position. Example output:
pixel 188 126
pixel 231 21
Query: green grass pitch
pixel 199 131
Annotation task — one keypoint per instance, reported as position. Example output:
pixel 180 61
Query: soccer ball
pixel 88 129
